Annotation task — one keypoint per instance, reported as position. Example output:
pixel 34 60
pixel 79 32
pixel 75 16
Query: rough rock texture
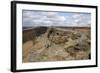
pixel 59 44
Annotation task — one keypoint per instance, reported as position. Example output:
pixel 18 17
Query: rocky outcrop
pixel 60 44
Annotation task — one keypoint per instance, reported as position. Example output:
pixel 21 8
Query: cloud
pixel 37 18
pixel 82 19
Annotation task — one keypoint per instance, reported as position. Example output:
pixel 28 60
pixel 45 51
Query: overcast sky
pixel 44 18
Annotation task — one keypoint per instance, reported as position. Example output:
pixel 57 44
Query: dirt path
pixel 26 49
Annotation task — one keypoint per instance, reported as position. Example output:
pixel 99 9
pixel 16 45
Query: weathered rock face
pixel 59 37
pixel 60 44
